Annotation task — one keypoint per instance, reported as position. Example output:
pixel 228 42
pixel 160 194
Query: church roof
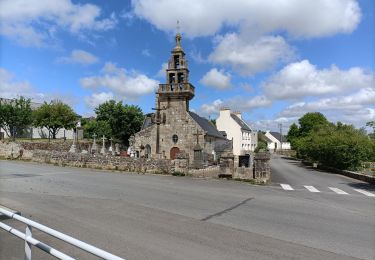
pixel 206 125
pixel 239 121
pixel 148 121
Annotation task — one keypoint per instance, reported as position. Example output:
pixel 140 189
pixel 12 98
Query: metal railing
pixel 30 241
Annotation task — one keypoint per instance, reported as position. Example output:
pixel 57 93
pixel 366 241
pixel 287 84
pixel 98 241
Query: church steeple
pixel 177 75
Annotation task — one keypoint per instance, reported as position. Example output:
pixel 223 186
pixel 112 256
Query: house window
pixel 174 138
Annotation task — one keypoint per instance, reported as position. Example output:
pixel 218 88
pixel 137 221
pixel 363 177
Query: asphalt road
pixel 166 217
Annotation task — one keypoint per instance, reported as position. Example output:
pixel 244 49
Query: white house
pixel 244 138
pixel 276 142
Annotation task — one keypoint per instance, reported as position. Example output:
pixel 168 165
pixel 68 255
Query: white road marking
pixel 286 187
pixel 365 192
pixel 311 188
pixel 338 191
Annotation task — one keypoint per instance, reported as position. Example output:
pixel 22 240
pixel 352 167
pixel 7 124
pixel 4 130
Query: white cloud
pixel 10 88
pixel 356 108
pixel 95 99
pixel 207 110
pixel 34 23
pixel 162 72
pixel 146 53
pixel 248 104
pixel 217 79
pixel 248 56
pixel 197 57
pixel 300 18
pixel 79 56
pixel 235 103
pixel 301 79
pixel 341 104
pixel 127 84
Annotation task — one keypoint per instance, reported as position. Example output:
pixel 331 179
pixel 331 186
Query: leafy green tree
pixel 15 115
pixel 54 116
pixel 262 142
pixel 262 145
pixel 310 121
pixel 99 128
pixel 372 125
pixel 124 120
pixel 293 133
pixel 339 146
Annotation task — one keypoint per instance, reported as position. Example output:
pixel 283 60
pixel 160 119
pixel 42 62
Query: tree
pixel 262 142
pixel 15 115
pixel 124 120
pixel 310 121
pixel 293 133
pixel 54 116
pixel 99 128
pixel 340 146
pixel 372 125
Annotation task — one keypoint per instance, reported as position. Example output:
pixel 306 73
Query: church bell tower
pixel 177 88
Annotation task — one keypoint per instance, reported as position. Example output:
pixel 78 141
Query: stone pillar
pixel 262 169
pixel 198 157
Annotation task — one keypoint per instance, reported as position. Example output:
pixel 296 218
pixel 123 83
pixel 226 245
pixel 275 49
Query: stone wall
pixel 108 162
pixel 208 172
pixel 6 146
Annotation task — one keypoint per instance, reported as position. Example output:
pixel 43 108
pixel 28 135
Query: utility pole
pixel 281 135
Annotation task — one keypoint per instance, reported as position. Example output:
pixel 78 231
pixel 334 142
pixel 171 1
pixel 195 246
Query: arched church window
pixel 174 138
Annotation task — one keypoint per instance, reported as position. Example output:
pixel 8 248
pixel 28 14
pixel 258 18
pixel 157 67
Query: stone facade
pixel 173 129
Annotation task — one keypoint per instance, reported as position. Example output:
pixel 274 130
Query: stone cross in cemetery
pixel 110 149
pixel 198 158
pixel 94 147
pixel 73 147
pixel 117 149
pixel 102 151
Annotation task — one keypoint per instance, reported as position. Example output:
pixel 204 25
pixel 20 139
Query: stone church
pixel 173 130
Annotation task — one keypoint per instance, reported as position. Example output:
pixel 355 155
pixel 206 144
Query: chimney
pixel 225 111
pixel 238 114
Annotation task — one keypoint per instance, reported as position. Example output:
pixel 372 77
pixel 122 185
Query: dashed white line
pixel 286 187
pixel 338 191
pixel 311 188
pixel 369 194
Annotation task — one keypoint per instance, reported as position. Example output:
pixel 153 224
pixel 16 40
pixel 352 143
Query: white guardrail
pixel 30 241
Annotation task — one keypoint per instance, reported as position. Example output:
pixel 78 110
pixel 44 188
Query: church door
pixel 174 152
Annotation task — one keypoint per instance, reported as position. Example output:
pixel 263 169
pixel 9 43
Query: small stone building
pixel 173 130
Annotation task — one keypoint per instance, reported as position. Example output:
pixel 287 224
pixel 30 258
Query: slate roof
pixel 148 121
pixel 239 121
pixel 206 125
pixel 278 136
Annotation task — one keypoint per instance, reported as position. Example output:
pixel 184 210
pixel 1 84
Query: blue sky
pixel 272 60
